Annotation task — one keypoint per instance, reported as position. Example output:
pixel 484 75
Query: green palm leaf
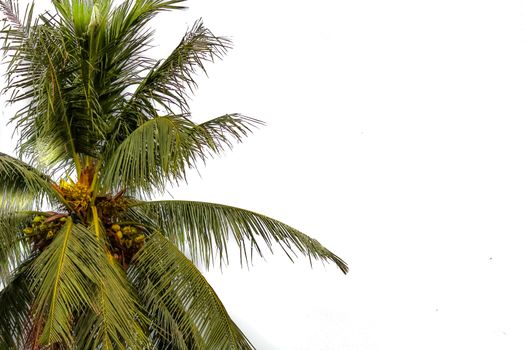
pixel 166 277
pixel 170 324
pixel 14 249
pixel 21 185
pixel 15 311
pixel 124 64
pixel 36 74
pixel 168 82
pixel 62 281
pixel 114 320
pixel 204 229
pixel 161 149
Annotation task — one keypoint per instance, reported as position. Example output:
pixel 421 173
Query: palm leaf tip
pixel 329 256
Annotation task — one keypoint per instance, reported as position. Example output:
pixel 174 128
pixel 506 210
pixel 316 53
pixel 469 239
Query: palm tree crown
pixel 87 260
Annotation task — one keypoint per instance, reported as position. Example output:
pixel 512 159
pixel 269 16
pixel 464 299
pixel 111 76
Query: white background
pixel 395 136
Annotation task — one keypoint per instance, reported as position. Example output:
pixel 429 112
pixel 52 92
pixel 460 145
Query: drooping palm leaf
pixel 170 325
pixel 163 274
pixel 114 321
pixel 15 311
pixel 21 185
pixel 62 281
pixel 14 249
pixel 204 230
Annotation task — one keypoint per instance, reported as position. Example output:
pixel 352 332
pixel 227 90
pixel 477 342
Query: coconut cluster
pixel 43 229
pixel 126 236
pixel 78 195
pixel 123 239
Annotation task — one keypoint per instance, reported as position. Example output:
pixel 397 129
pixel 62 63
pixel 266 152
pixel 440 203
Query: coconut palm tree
pixel 87 259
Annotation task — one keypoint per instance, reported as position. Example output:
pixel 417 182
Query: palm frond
pixel 170 325
pixel 62 281
pixel 14 249
pixel 204 229
pixel 114 321
pixel 51 72
pixel 15 311
pixel 37 76
pixel 218 133
pixel 21 185
pixel 169 81
pixel 133 15
pixel 161 149
pixel 13 32
pixel 166 277
pixel 126 39
pixel 11 12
